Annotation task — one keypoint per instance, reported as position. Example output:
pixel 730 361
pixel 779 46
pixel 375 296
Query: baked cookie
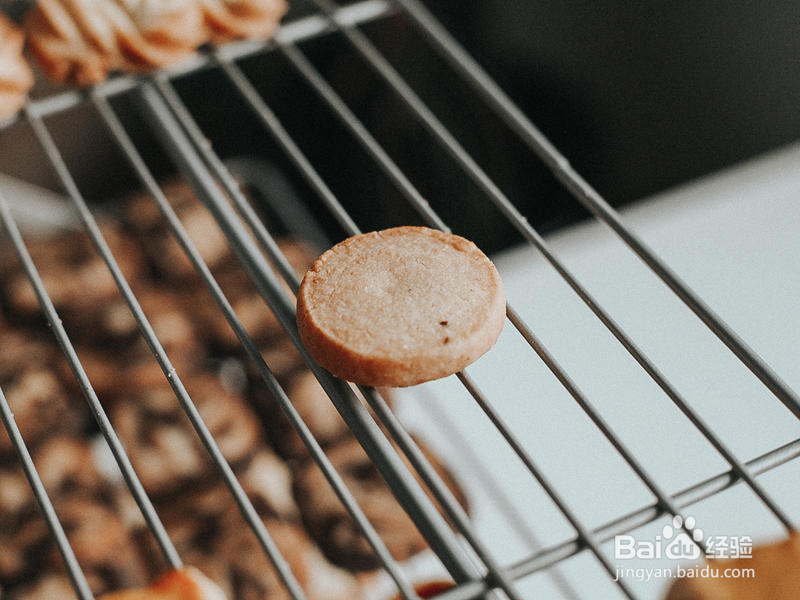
pixel 161 246
pixel 64 464
pixel 775 576
pixel 74 274
pixel 82 42
pixel 45 588
pixel 313 406
pixel 400 306
pixel 231 19
pixel 168 310
pixel 16 77
pixel 255 577
pixel 163 447
pixel 101 542
pixel 209 532
pixel 329 523
pixel 282 357
pixel 249 306
pixel 315 409
pixel 35 395
pixel 187 583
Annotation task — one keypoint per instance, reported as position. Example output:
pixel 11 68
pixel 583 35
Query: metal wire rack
pixel 467 559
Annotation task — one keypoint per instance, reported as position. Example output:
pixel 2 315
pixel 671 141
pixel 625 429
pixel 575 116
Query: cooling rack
pixel 449 531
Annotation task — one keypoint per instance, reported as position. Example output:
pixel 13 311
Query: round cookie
pixel 400 306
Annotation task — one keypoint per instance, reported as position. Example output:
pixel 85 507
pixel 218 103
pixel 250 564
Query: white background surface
pixel 735 239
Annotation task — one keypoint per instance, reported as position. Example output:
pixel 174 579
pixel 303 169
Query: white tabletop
pixel 734 237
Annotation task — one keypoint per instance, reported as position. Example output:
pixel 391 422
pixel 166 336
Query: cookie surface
pixel 400 306
pixel 768 572
pixel 330 524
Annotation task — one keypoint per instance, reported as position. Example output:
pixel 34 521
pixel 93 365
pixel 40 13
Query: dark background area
pixel 638 96
pixel 643 95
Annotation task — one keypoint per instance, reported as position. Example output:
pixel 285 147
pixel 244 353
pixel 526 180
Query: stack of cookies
pixel 82 42
pixel 16 76
pixel 113 544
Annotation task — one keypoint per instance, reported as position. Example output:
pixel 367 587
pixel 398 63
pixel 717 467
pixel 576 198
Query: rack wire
pixel 469 562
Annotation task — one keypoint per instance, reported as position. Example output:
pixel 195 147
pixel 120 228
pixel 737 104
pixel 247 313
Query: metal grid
pixel 475 570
